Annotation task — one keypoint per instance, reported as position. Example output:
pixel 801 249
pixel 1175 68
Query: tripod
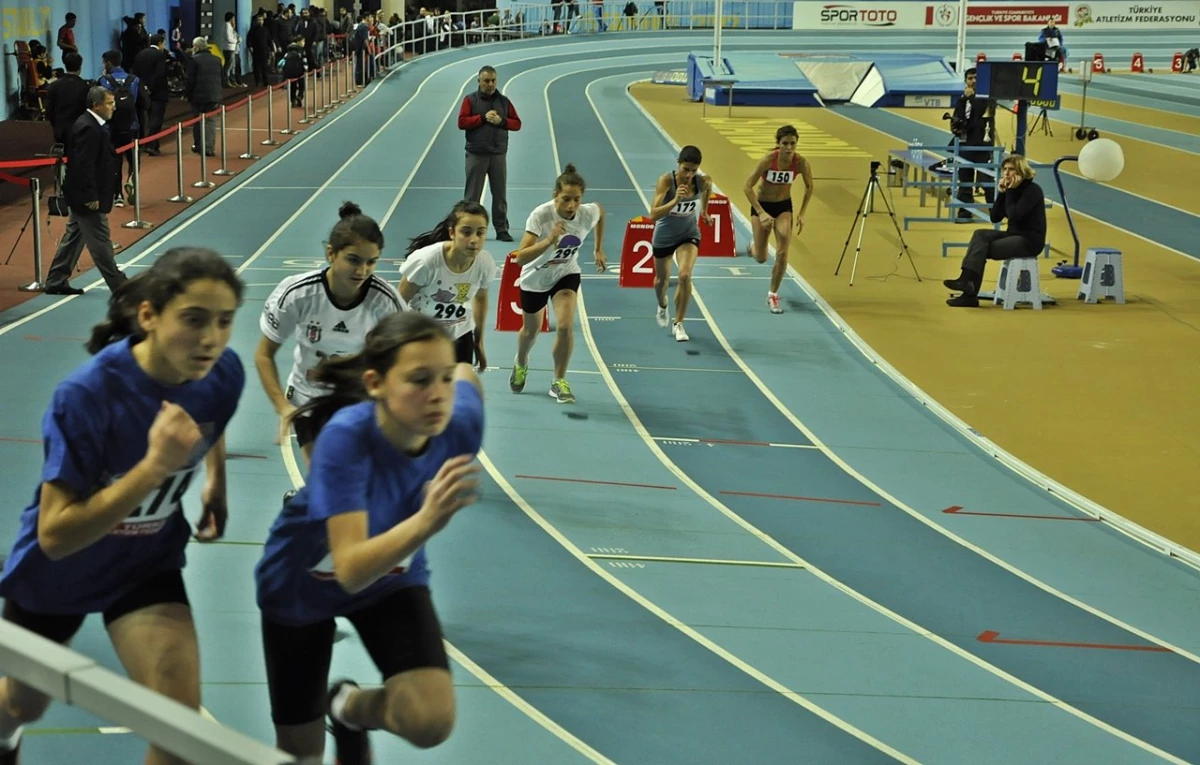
pixel 1044 119
pixel 865 208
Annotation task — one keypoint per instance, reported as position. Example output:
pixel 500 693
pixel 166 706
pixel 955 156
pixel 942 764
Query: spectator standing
pixel 92 172
pixel 487 117
pixel 203 92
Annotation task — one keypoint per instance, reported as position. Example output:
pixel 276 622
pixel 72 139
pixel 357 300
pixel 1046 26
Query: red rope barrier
pixel 14 179
pixel 22 164
pixel 167 133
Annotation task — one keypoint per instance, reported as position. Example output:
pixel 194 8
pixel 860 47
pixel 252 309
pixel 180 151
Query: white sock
pixel 771 294
pixel 338 705
pixel 10 743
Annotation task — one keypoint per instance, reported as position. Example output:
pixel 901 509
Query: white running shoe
pixel 773 303
pixel 680 334
pixel 661 316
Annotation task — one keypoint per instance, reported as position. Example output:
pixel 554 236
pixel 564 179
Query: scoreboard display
pixel 1033 81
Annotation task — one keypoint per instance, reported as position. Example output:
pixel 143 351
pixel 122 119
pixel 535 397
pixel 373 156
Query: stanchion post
pixel 289 130
pixel 331 77
pixel 181 196
pixel 137 221
pixel 250 128
pixel 204 182
pixel 319 84
pixel 270 118
pixel 304 118
pixel 35 192
pixel 310 109
pixel 347 76
pixel 224 169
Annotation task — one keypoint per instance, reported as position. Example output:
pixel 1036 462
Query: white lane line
pixel 791 555
pixel 619 397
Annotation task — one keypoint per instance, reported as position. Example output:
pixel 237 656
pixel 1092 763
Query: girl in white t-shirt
pixel 550 273
pixel 328 311
pixel 447 275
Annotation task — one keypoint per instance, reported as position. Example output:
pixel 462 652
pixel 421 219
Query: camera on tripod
pixel 875 165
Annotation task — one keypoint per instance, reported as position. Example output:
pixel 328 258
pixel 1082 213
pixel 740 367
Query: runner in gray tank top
pixel 680 200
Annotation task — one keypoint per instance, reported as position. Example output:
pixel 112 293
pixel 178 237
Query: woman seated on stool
pixel 1023 203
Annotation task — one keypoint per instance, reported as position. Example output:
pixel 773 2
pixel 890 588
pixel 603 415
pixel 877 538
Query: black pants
pixel 969 176
pixel 154 121
pixel 400 632
pixel 262 70
pixel 123 139
pixel 987 244
pixel 210 129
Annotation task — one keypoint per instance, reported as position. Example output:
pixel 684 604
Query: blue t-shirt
pixel 354 467
pixel 94 432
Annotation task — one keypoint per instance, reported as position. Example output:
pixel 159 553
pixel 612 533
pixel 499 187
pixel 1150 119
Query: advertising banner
pixel 945 15
pixel 1104 14
pixel 863 15
pixel 1172 14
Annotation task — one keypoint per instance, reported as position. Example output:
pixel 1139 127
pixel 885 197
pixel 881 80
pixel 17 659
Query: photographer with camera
pixel 1024 204
pixel 973 124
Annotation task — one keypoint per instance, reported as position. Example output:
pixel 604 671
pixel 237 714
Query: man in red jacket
pixel 488 117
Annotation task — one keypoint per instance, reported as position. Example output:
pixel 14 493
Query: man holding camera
pixel 973 124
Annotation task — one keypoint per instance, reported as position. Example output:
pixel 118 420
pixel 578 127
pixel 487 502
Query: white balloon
pixel 1101 159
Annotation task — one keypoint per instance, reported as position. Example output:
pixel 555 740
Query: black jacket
pixel 93 168
pixel 1025 208
pixel 258 39
pixel 204 79
pixel 150 67
pixel 66 99
pixel 975 130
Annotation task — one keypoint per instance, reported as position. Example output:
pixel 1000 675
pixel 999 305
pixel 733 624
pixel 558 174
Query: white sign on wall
pixel 1169 14
pixel 858 15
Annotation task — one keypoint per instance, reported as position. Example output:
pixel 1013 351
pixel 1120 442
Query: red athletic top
pixel 785 176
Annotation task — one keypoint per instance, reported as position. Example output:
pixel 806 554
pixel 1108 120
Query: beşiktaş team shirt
pixel 445 295
pixel 563 258
pixel 94 432
pixel 355 468
pixel 303 306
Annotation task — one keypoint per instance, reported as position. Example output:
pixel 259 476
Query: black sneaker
pixel 351 747
pixel 11 756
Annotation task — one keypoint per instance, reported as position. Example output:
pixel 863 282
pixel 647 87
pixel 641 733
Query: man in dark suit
pixel 66 98
pixel 150 67
pixel 973 124
pixel 203 92
pixel 92 176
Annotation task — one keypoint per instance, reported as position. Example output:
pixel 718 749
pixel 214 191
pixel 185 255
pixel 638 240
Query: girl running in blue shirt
pixel 124 437
pixel 391 465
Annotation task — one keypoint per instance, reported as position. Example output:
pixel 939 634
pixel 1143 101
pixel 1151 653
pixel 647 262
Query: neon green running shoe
pixel 560 390
pixel 516 381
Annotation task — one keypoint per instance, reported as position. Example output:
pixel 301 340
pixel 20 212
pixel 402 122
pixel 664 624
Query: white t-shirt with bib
pixel 563 258
pixel 445 295
pixel 302 306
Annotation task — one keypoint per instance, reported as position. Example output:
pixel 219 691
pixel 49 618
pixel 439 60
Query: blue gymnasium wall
pixel 97 28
